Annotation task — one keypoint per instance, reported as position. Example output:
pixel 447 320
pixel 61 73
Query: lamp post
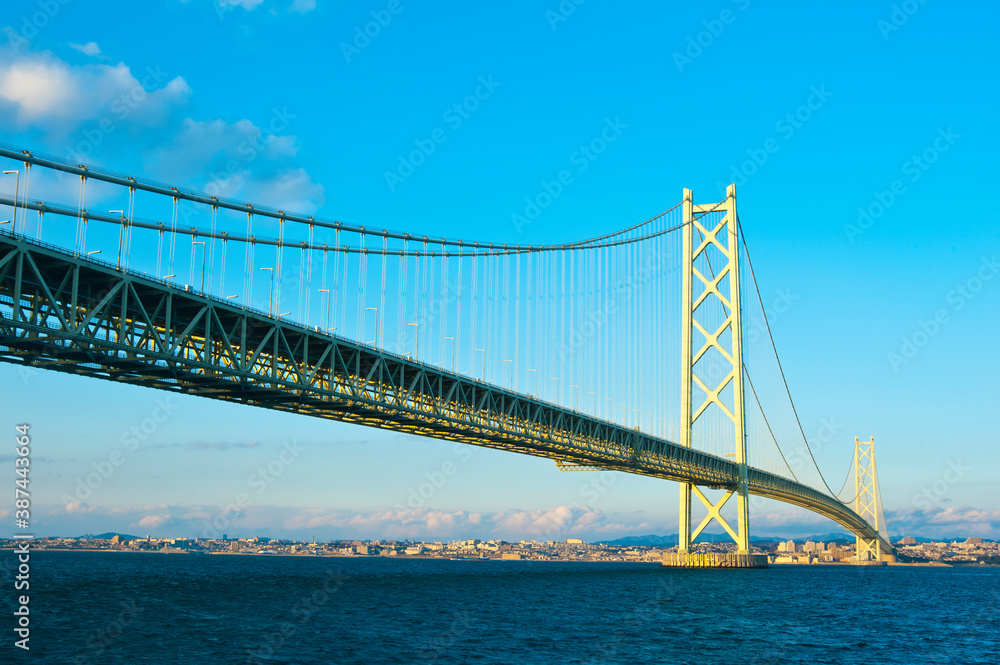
pixel 416 339
pixel 193 243
pixel 270 292
pixel 121 234
pixel 484 363
pixel 329 296
pixel 17 187
pixel 535 392
pixel 374 309
pixel 556 379
pixel 452 352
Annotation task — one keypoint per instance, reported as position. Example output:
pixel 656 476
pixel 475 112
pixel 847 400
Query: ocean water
pixel 183 608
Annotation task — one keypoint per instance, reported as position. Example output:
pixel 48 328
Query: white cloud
pixel 552 523
pixel 90 48
pixel 302 6
pixel 248 5
pixel 555 523
pixel 40 90
pixel 291 190
pixel 944 523
pixel 240 160
pixel 154 521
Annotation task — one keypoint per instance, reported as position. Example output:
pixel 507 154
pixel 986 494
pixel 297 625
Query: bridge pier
pixel 713 560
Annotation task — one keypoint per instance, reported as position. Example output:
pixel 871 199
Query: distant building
pixel 790 546
pixel 809 547
pixel 907 541
pixel 574 541
pixel 974 541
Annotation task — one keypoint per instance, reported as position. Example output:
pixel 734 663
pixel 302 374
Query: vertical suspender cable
pixel 381 304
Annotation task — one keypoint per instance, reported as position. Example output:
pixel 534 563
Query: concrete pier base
pixel 713 560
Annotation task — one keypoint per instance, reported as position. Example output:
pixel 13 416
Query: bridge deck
pixel 77 315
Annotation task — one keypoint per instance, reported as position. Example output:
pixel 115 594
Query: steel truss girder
pixel 79 316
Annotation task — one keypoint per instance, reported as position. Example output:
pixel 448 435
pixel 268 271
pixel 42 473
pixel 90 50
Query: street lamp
pixel 17 187
pixel 556 379
pixel 416 338
pixel 193 243
pixel 328 298
pixel 484 362
pixel 510 384
pixel 577 394
pixel 452 352
pixel 535 392
pixel 270 292
pixel 374 309
pixel 121 232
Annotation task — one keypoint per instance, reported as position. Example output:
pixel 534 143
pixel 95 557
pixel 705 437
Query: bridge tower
pixel 711 293
pixel 866 499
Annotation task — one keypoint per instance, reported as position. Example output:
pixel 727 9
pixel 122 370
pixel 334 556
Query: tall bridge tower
pixel 712 376
pixel 866 501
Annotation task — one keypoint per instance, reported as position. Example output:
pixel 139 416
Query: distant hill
pixel 108 536
pixel 652 540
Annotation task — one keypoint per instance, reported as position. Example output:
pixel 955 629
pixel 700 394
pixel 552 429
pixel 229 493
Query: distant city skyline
pixel 863 172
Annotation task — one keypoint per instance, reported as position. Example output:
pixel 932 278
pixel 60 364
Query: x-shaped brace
pixel 713 513
pixel 710 237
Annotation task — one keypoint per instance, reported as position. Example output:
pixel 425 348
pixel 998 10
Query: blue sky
pixel 862 137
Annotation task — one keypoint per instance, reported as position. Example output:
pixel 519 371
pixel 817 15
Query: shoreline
pixel 915 564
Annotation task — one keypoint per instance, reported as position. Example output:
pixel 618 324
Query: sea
pixel 108 607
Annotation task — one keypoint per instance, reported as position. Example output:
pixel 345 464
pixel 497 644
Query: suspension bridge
pixel 641 350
